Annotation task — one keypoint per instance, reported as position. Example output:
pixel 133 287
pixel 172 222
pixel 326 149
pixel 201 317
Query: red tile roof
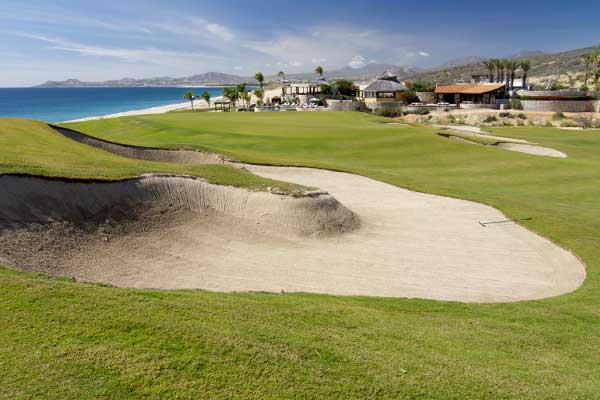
pixel 468 88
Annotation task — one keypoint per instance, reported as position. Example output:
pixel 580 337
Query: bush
pixel 558 116
pixel 422 112
pixel 506 115
pixel 521 116
pixel 583 121
pixel 568 124
pixel 490 119
pixel 548 124
pixel 515 105
pixel 520 123
pixel 390 112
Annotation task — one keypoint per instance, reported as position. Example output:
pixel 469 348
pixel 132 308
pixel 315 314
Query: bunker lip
pixel 510 146
pixel 174 156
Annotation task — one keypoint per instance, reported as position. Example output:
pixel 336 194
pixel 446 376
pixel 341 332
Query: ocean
pixel 64 104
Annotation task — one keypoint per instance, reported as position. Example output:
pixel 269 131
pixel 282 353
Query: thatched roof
pixel 384 85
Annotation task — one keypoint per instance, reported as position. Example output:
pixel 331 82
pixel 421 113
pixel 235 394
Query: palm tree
pixel 260 94
pixel 232 95
pixel 319 70
pixel 525 66
pixel 498 67
pixel 242 90
pixel 206 97
pixel 260 78
pixel 281 74
pixel 491 67
pixel 596 60
pixel 513 65
pixel 587 59
pixel 190 97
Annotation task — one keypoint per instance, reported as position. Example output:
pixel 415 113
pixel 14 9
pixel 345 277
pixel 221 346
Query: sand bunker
pixel 530 149
pixel 173 232
pixel 475 131
pixel 518 147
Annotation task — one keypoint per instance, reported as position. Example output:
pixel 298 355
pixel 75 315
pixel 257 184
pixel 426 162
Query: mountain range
pixel 567 63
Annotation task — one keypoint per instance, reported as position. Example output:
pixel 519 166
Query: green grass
pixel 33 148
pixel 69 340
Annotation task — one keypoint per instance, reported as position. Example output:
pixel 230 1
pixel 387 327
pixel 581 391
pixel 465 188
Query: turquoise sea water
pixel 63 104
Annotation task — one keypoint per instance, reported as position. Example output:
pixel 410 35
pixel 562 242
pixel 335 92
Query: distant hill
pixel 369 71
pixel 566 67
pixel 206 79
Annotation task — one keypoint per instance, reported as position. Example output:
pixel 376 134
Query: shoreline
pixel 198 105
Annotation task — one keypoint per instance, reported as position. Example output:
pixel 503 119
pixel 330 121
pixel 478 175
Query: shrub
pixel 568 124
pixel 548 124
pixel 503 114
pixel 422 112
pixel 490 119
pixel 583 121
pixel 390 112
pixel 558 116
pixel 521 116
pixel 515 105
pixel 520 123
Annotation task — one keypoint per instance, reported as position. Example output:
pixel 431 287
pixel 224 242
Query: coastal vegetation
pixel 260 78
pixel 319 70
pixel 206 97
pixel 189 96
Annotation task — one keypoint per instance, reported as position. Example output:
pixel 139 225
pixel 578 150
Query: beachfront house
pixel 470 93
pixel 303 90
pixel 384 89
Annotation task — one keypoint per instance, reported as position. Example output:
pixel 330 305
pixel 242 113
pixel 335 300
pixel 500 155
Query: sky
pixel 109 39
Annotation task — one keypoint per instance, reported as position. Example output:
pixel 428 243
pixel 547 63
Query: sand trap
pixel 173 232
pixel 530 149
pixel 475 131
pixel 518 147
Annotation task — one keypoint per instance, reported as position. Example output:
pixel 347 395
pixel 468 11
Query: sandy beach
pixel 198 105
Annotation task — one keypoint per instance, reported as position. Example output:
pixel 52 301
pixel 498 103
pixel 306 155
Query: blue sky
pixel 99 40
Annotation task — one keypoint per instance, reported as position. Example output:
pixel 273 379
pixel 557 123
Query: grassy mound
pixel 33 148
pixel 68 340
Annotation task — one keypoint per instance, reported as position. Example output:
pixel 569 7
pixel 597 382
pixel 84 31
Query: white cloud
pixel 424 53
pixel 238 68
pixel 147 55
pixel 220 31
pixel 357 62
pixel 335 46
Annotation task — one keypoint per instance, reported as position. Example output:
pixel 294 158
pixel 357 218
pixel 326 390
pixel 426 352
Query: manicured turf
pixel 69 340
pixel 33 148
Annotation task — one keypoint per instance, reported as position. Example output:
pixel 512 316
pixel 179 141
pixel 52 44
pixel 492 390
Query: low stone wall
pixel 426 97
pixel 373 106
pixel 345 105
pixel 559 105
pixel 478 106
pixel 596 104
pixel 547 93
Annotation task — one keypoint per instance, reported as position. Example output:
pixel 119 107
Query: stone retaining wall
pixel 545 93
pixel 478 106
pixel 345 105
pixel 373 106
pixel 596 104
pixel 559 105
